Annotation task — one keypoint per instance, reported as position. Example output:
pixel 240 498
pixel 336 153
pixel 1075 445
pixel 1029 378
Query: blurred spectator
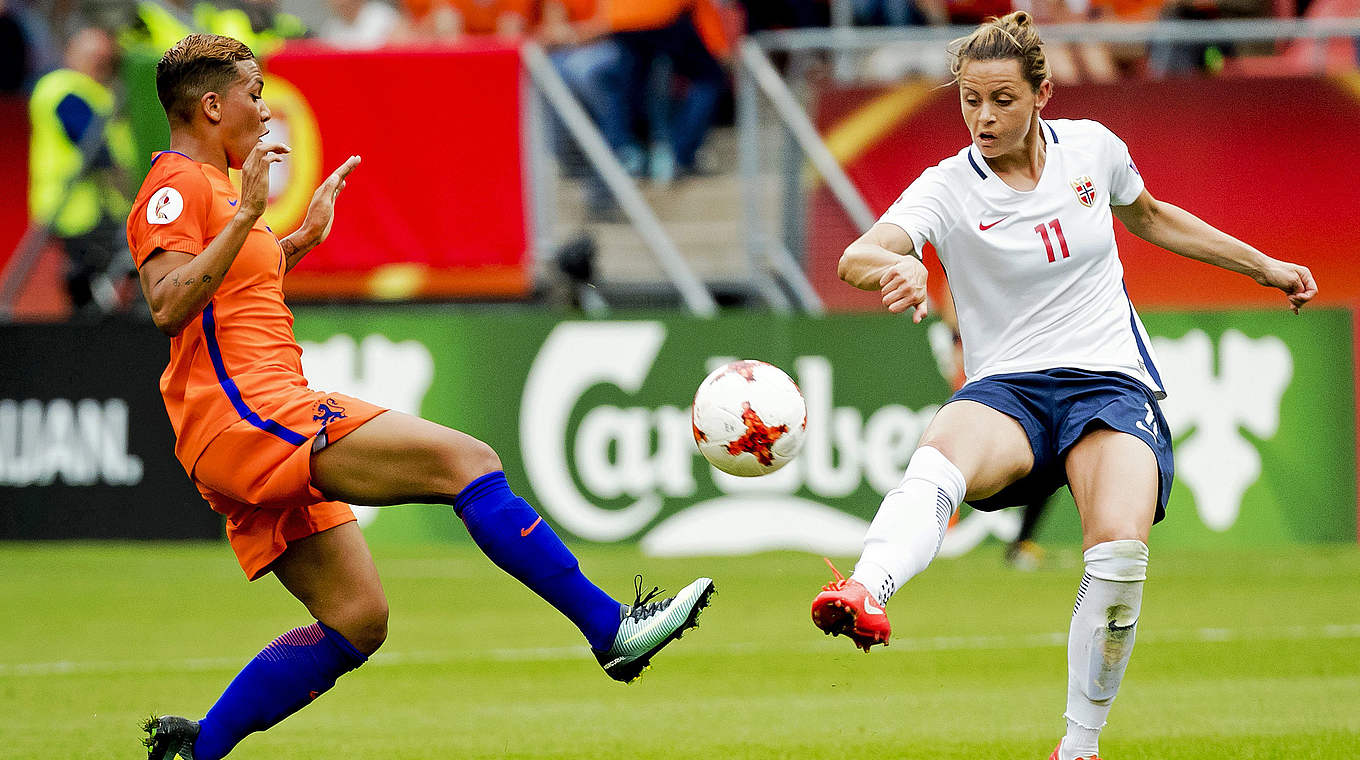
pixel 599 70
pixel 359 24
pixel 258 23
pixel 80 162
pixel 788 14
pixel 156 26
pixel 448 20
pixel 688 37
pixel 1168 58
pixel 508 19
pixel 899 12
pixel 1072 62
pixel 1127 56
pixel 425 21
pixel 14 56
pixel 971 12
pixel 27 49
pixel 159 24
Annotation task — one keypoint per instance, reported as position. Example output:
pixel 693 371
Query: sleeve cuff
pixel 179 245
pixel 917 241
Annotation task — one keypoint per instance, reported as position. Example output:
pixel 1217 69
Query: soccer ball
pixel 749 418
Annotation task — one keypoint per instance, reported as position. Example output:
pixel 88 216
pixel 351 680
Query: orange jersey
pixel 483 16
pixel 238 360
pixel 645 15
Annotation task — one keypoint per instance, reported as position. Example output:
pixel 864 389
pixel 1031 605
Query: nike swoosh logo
pixel 870 608
pixel 1117 628
pixel 530 529
pixel 985 227
pixel 232 203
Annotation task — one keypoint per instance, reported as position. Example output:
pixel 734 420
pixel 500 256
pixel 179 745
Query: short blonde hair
pixel 197 64
pixel 1011 37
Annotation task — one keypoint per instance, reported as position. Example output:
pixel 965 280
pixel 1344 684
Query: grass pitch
pixel 1241 654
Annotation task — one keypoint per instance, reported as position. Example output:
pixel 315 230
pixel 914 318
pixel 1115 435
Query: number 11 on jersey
pixel 1048 243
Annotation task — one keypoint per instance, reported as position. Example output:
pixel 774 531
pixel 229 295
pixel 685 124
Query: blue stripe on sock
pixel 284 677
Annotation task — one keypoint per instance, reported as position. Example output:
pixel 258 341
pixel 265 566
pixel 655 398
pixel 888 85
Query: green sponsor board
pixel 591 419
pixel 142 108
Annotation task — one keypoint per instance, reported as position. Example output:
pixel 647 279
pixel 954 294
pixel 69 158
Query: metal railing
pixel 602 160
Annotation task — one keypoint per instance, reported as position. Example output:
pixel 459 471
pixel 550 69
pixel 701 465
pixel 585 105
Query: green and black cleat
pixel 169 737
pixel 648 626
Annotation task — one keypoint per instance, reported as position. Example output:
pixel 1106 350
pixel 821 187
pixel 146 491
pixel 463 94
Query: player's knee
pixel 483 459
pixel 454 460
pixel 1115 531
pixel 471 460
pixel 367 626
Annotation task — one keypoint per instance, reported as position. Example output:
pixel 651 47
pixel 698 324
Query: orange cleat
pixel 846 608
pixel 1054 756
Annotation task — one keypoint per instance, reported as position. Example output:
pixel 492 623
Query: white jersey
pixel 1035 275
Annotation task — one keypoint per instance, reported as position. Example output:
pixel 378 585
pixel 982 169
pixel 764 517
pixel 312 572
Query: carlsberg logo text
pixel 647 454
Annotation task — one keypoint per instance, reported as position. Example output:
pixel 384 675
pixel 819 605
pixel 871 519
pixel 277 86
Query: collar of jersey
pixel 979 164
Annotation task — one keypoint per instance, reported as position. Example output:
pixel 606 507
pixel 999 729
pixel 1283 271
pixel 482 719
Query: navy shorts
pixel 1057 407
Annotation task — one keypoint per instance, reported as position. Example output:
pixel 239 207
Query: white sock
pixel 1104 625
pixel 907 531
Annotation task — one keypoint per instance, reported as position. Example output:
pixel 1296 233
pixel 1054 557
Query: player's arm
pixel 178 285
pixel 1183 233
pixel 316 226
pixel 884 259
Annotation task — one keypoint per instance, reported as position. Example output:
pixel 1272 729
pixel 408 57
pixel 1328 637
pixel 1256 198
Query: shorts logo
pixel 1149 425
pixel 328 411
pixel 165 206
pixel 1085 190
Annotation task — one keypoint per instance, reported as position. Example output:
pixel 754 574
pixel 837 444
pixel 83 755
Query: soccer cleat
pixel 169 736
pixel 846 607
pixel 648 626
pixel 1025 555
pixel 1054 756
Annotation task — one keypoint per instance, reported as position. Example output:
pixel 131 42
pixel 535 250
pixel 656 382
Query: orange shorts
pixel 258 473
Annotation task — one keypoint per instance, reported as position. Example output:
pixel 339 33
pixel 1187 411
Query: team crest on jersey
pixel 328 411
pixel 1085 190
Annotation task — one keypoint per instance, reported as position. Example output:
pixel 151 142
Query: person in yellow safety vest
pixel 156 26
pixel 77 178
pixel 257 23
pixel 159 24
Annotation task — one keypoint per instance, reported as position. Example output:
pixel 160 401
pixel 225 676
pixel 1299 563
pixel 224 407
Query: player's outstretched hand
pixel 255 175
pixel 1296 282
pixel 321 210
pixel 904 287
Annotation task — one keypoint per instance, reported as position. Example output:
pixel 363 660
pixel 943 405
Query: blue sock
pixel 513 535
pixel 285 677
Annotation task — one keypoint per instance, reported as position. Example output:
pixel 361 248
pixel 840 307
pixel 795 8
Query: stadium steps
pixel 702 214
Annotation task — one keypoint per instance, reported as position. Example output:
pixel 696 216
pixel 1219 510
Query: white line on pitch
pixel 550 654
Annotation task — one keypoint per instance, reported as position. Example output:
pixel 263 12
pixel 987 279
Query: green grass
pixel 1242 654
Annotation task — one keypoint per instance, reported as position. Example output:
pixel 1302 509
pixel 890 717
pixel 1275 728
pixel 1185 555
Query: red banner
pixel 13 174
pixel 1262 159
pixel 437 208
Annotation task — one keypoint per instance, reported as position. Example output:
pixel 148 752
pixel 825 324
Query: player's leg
pixel 1114 480
pixel 333 575
pixel 969 451
pixel 1024 553
pixel 397 458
